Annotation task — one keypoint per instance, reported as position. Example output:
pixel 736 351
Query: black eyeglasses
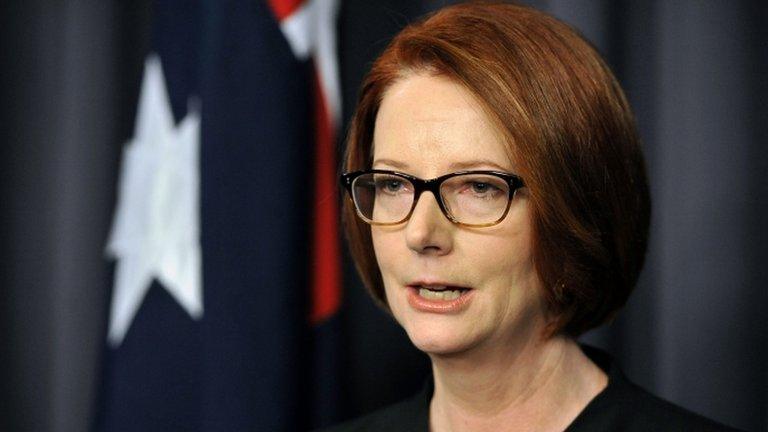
pixel 467 198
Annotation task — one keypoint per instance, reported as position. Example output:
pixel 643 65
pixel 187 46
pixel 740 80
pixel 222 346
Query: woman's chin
pixel 440 341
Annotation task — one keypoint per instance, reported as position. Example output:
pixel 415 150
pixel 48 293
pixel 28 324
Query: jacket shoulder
pixel 634 410
pixel 660 414
pixel 625 406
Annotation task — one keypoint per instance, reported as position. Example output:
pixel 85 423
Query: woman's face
pixel 428 126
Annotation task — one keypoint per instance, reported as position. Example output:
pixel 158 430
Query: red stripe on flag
pixel 284 8
pixel 326 252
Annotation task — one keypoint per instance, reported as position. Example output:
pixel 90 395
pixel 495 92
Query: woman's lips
pixel 443 300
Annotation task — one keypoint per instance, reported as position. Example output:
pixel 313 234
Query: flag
pixel 225 237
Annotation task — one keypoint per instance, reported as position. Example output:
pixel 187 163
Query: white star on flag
pixel 156 229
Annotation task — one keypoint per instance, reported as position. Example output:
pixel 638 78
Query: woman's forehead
pixel 433 122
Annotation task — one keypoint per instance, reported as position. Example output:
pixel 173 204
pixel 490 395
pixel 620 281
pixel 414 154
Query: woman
pixel 498 209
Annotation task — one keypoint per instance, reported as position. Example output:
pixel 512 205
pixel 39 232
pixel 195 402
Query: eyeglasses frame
pixel 432 185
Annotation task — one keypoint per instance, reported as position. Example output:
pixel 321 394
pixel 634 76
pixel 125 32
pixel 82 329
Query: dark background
pixel 695 331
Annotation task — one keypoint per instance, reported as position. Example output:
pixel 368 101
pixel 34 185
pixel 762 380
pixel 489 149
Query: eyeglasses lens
pixel 383 198
pixel 475 199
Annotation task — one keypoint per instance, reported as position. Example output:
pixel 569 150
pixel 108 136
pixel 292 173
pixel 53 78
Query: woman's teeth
pixel 444 294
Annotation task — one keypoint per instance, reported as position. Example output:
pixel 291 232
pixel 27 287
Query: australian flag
pixel 225 238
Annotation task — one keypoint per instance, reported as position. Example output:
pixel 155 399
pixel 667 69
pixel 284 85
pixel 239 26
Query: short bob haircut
pixel 569 130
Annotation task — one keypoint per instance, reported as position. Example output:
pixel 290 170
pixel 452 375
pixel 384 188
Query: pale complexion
pixel 492 369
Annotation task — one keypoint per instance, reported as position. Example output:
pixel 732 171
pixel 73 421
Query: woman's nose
pixel 428 231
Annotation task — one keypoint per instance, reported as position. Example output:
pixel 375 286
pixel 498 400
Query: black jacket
pixel 621 406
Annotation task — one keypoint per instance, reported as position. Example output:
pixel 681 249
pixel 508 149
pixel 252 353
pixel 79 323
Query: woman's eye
pixel 394 185
pixel 480 188
pixel 390 185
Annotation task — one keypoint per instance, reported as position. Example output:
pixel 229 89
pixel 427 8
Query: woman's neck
pixel 534 385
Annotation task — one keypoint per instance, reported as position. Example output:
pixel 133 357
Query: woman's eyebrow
pixel 391 162
pixel 477 163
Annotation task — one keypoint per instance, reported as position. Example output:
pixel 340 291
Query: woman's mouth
pixel 438 298
pixel 440 292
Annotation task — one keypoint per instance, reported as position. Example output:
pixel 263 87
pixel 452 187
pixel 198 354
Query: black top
pixel 621 406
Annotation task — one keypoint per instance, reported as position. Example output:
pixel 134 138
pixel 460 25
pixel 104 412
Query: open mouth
pixel 440 292
pixel 436 297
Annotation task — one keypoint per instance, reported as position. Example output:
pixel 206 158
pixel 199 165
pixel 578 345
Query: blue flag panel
pixel 246 364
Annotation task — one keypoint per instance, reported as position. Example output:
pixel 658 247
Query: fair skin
pixel 493 370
